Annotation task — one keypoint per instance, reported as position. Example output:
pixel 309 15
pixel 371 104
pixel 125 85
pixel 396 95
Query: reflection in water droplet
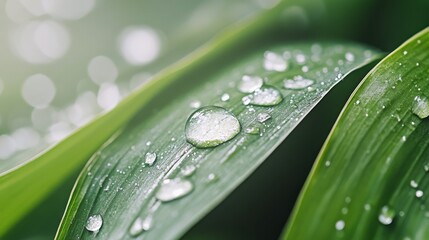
pixel 172 189
pixel 188 170
pixel 94 223
pixel 150 158
pixel 421 106
pixel 274 62
pixel 249 84
pixel 339 225
pixel 211 126
pixel 298 82
pixel 386 215
pixel 139 45
pixel 262 117
pixel 266 96
pixel 38 91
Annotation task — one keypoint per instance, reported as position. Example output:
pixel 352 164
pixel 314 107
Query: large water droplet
pixel 150 158
pixel 94 223
pixel 386 216
pixel 298 82
pixel 421 107
pixel 172 189
pixel 249 84
pixel 211 126
pixel 274 62
pixel 266 96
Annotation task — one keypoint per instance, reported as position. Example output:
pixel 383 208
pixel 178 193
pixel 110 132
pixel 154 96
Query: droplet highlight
pixel 386 216
pixel 211 126
pixel 298 82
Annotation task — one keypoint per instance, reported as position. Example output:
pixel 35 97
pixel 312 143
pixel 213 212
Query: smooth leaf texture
pixel 376 156
pixel 119 186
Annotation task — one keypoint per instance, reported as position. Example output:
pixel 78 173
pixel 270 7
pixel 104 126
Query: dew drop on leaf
pixel 339 225
pixel 386 216
pixel 140 225
pixel 421 106
pixel 249 84
pixel 188 170
pixel 274 62
pixel 172 189
pixel 419 193
pixel 298 82
pixel 266 96
pixel 150 158
pixel 94 223
pixel 252 130
pixel 225 97
pixel 262 117
pixel 211 126
pixel 414 184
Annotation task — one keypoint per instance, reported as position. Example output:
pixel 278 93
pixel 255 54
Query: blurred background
pixel 64 61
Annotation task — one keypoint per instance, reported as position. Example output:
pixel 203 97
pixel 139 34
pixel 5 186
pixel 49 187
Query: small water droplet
pixel 266 96
pixel 419 193
pixel 211 126
pixel 421 107
pixel 350 57
pixel 249 84
pixel 404 138
pixel 148 143
pixel 414 184
pixel 94 223
pixel 262 117
pixel 327 163
pixel 141 225
pixel 357 102
pixel 246 100
pixel 252 130
pixel 367 207
pixel 426 167
pixel 172 189
pixel 344 211
pixel 150 158
pixel 386 216
pixel 300 58
pixel 225 97
pixel 304 69
pixel 188 170
pixel 274 62
pixel 212 177
pixel 405 52
pixel 339 225
pixel 298 82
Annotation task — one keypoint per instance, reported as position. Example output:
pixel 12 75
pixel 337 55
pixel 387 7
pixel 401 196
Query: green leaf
pixel 369 177
pixel 119 186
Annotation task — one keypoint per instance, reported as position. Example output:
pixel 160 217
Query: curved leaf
pixel 369 181
pixel 120 187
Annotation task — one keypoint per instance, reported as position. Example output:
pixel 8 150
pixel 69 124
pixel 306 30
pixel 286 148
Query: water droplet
pixel 357 102
pixel 266 96
pixel 225 97
pixel 188 170
pixel 148 143
pixel 249 84
pixel 195 104
pixel 212 177
pixel 94 223
pixel 404 138
pixel 350 57
pixel 298 82
pixel 386 215
pixel 327 163
pixel 300 58
pixel 274 62
pixel 304 69
pixel 211 126
pixel 426 167
pixel 141 225
pixel 246 100
pixel 339 225
pixel 414 184
pixel 367 207
pixel 150 158
pixel 252 130
pixel 421 107
pixel 172 189
pixel 419 193
pixel 262 117
pixel 405 52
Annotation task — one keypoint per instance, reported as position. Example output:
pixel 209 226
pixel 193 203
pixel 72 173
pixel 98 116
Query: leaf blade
pixel 121 162
pixel 375 136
